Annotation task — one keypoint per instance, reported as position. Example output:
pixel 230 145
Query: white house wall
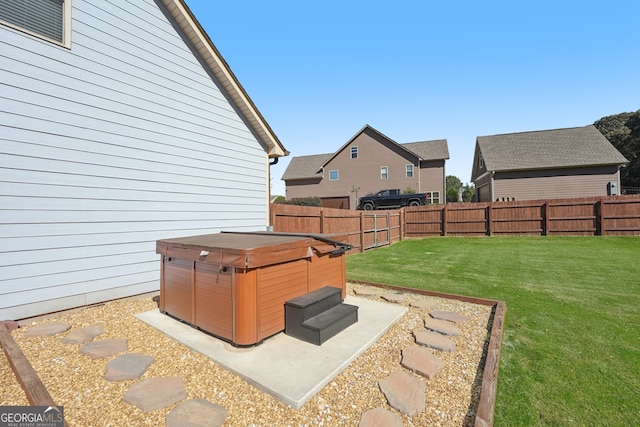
pixel 107 147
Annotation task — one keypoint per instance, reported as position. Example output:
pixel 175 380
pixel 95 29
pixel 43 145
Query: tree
pixel 454 186
pixel 468 192
pixel 623 131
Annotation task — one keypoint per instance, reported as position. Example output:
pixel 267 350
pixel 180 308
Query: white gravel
pixel 77 381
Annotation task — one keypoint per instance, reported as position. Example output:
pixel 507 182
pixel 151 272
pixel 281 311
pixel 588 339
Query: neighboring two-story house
pixel 367 163
pixel 547 164
pixel 120 124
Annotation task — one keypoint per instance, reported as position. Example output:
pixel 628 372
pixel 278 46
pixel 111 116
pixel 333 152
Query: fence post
pixel 321 220
pixel 600 218
pixel 489 219
pixel 545 218
pixel 444 220
pixel 389 228
pixel 401 224
pixel 272 216
pixel 361 231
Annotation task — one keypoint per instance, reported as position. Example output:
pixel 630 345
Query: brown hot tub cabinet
pixel 235 285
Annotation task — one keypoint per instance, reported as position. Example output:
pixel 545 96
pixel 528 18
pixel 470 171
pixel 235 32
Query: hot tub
pixel 234 285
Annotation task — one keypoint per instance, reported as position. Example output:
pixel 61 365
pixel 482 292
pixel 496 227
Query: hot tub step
pixel 309 305
pixel 318 315
pixel 304 307
pixel 327 324
pixel 331 322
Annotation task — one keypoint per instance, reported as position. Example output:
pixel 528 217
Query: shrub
pixel 307 201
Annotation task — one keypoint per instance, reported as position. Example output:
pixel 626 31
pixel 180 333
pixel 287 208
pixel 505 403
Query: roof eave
pixel 302 178
pixel 219 67
pixel 531 168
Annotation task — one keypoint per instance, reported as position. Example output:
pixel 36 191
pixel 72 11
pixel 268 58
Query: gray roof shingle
pixel 429 150
pixel 559 148
pixel 305 166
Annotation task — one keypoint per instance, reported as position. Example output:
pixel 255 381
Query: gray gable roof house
pixel 560 163
pixel 120 125
pixel 368 162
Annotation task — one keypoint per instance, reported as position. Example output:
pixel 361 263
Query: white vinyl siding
pixel 108 147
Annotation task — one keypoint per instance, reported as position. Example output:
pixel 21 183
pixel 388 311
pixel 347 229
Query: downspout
pixel 272 161
pixel 491 183
pixel 443 198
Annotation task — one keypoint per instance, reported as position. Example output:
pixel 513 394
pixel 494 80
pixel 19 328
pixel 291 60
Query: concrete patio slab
pixel 291 370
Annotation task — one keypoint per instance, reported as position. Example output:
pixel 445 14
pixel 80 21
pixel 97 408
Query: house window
pixel 409 171
pixel 384 172
pixel 334 175
pixel 354 152
pixel 433 197
pixel 481 161
pixel 48 19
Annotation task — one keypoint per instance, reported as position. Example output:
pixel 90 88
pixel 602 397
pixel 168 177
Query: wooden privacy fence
pixel 602 216
pixel 616 215
pixel 364 229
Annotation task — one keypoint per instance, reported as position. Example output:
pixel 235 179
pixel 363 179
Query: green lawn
pixel 571 342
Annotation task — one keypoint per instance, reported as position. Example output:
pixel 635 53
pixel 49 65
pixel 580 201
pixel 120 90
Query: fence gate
pixel 376 231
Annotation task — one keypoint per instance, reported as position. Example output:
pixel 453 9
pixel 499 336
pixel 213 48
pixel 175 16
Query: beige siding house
pixel 549 164
pixel 367 163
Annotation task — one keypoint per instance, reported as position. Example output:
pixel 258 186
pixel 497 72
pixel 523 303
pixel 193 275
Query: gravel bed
pixel 77 381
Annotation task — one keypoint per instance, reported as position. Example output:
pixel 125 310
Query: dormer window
pixel 354 152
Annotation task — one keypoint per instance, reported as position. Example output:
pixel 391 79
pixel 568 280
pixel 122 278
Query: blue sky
pixel 422 70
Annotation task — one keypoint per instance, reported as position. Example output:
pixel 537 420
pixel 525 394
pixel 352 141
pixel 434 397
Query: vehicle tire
pixel 414 203
pixel 368 206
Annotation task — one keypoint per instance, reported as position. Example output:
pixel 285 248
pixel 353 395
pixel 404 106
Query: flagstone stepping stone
pixel 11 325
pixel 155 393
pixel 129 366
pixel 83 335
pixel 421 361
pixel 196 413
pixel 365 292
pixel 450 316
pixel 425 304
pixel 104 348
pixel 47 330
pixel 394 297
pixel 442 326
pixel 434 340
pixel 404 392
pixel 380 417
